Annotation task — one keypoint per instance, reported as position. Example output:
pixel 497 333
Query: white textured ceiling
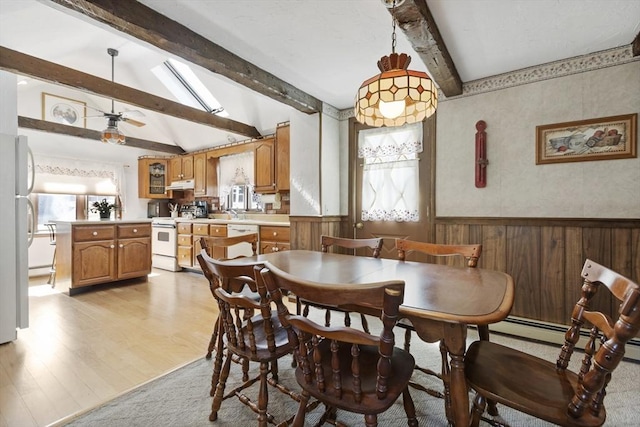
pixel 325 48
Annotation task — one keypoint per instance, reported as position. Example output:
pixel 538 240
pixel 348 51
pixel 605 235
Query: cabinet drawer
pixel 184 228
pixel 201 229
pixel 134 230
pixel 218 230
pixel 93 232
pixel 270 247
pixel 185 256
pixel 184 239
pixel 274 234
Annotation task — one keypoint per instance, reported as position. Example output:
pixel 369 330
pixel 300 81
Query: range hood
pixel 186 184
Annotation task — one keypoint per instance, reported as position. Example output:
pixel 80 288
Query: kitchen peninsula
pixel 95 252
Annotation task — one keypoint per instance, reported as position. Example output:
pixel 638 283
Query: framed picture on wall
pixel 63 110
pixel 594 139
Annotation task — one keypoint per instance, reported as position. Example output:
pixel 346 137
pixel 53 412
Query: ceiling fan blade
pixel 133 113
pixel 96 109
pixel 132 122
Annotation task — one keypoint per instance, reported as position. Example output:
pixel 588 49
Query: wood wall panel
pixel 494 247
pixel 552 247
pixel 523 249
pixel 596 243
pixel 544 256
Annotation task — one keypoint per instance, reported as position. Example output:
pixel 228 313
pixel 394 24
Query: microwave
pixel 158 208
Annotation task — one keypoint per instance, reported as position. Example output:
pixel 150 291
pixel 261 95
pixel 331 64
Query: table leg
pixel 455 340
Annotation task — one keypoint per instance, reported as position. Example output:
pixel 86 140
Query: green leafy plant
pixel 103 207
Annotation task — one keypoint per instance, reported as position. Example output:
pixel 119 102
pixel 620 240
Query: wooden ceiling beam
pixel 20 63
pixel 635 45
pixel 51 127
pixel 417 23
pixel 144 23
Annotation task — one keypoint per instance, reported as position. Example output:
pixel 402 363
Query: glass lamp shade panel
pixel 395 97
pixel 112 135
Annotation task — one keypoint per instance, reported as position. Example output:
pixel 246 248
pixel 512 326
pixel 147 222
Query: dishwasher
pixel 241 248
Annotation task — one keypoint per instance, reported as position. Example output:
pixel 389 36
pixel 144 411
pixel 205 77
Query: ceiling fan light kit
pixel 397 95
pixel 112 134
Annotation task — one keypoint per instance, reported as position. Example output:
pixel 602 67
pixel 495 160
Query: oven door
pixel 164 240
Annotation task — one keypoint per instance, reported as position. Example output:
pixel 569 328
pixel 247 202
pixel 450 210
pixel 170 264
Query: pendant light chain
pixel 393 26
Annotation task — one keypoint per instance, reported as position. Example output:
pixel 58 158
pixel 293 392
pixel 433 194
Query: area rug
pixel 181 398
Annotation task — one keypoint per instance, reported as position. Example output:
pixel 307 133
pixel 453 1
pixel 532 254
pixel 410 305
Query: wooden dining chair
pixel 342 367
pixel 374 245
pixel 211 245
pixel 470 254
pixel 248 336
pixel 547 390
pixel 51 227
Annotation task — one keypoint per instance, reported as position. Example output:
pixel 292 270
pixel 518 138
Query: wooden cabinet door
pixel 187 167
pixel 282 158
pixel 152 178
pixel 94 262
pixel 134 257
pixel 200 174
pixel 185 256
pixel 269 247
pixel 265 174
pixel 175 169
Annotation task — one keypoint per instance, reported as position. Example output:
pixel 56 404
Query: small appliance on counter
pixel 158 208
pixel 197 209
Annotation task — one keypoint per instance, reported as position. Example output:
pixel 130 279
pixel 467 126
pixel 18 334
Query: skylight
pixel 187 87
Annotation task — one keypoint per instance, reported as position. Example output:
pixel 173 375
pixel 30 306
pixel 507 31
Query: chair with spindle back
pixel 209 245
pixel 547 390
pixel 342 367
pixel 256 338
pixel 470 254
pixel 374 245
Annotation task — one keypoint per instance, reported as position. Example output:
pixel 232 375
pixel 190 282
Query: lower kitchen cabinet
pixel 185 245
pixel 91 254
pixel 274 239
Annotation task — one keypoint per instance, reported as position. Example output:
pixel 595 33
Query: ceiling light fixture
pixel 397 95
pixel 112 134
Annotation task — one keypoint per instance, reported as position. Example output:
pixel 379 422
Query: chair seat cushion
pixel 524 382
pixel 402 364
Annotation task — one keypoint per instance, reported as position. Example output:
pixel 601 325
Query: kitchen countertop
pixel 249 221
pixel 103 222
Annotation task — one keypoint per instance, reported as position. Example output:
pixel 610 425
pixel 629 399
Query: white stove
pixel 164 244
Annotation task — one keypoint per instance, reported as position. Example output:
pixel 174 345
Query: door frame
pixel 427 159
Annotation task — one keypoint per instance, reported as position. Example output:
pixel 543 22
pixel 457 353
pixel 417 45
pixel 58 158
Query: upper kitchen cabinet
pixel 181 168
pixel 282 158
pixel 204 175
pixel 152 178
pixel 265 168
pixel 272 162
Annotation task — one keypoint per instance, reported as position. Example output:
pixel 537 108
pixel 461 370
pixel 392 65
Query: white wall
pixel 330 166
pixel 304 165
pixel 516 186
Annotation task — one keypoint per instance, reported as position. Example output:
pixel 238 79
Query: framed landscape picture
pixel 594 139
pixel 66 111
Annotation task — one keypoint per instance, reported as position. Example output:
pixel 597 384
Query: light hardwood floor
pixel 83 350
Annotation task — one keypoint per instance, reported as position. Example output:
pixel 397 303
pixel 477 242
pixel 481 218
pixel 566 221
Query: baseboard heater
pixel 553 333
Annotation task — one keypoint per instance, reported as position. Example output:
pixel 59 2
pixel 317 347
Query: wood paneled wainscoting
pixel 543 255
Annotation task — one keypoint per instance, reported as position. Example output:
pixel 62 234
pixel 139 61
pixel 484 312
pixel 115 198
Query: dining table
pixel 439 300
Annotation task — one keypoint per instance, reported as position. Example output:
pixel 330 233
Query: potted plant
pixel 103 208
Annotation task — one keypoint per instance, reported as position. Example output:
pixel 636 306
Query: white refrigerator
pixel 16 234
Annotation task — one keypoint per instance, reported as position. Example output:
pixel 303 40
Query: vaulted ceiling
pixel 267 60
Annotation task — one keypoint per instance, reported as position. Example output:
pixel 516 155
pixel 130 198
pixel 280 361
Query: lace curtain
pixel 70 176
pixel 390 179
pixel 236 169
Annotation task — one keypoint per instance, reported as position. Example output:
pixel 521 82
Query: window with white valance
pixel 235 169
pixel 70 176
pixel 390 179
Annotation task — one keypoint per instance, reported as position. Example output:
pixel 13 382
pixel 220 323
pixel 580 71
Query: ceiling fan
pixel 112 134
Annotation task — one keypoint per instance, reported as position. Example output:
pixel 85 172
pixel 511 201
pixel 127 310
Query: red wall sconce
pixel 481 154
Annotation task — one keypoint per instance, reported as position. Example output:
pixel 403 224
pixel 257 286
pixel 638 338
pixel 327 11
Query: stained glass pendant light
pixel 397 95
